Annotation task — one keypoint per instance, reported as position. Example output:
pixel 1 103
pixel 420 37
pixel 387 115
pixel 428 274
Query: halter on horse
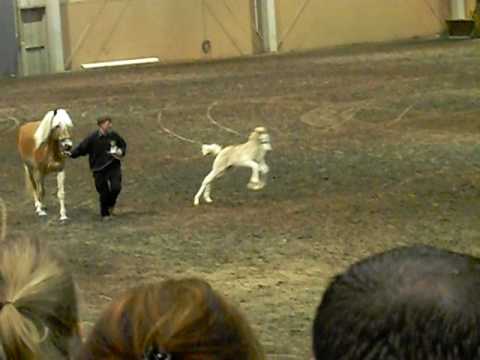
pixel 43 147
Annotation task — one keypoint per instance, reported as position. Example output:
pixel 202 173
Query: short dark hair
pixel 103 119
pixel 416 302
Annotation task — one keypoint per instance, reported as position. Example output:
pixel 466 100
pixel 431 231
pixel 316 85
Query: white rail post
pixel 268 25
pixel 457 9
pixel 55 39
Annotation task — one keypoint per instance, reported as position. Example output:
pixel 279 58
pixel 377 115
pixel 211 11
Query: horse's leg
pixel 206 182
pixel 61 194
pixel 208 187
pixel 39 192
pixel 30 182
pixel 254 183
pixel 264 169
pixel 32 185
pixel 219 171
pixel 206 193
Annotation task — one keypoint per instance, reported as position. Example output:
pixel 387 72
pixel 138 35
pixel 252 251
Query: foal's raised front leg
pixel 61 195
pixel 264 169
pixel 254 183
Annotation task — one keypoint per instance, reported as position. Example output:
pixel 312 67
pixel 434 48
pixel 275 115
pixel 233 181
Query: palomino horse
pixel 43 147
pixel 250 154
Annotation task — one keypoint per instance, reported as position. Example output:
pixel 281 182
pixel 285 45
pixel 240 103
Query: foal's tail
pixel 211 149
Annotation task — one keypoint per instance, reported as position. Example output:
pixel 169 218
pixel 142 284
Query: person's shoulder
pixel 90 136
pixel 93 134
pixel 116 134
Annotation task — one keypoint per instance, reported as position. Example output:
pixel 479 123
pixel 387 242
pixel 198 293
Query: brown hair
pixel 185 318
pixel 103 119
pixel 38 306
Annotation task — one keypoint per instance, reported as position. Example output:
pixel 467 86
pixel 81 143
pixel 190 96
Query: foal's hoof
pixel 255 186
pixel 64 218
pixel 41 213
pixel 208 200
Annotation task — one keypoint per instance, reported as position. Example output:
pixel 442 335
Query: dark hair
pixel 181 319
pixel 416 302
pixel 103 119
pixel 38 313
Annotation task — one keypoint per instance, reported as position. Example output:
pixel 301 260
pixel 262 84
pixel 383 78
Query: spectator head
pixel 181 319
pixel 38 304
pixel 416 302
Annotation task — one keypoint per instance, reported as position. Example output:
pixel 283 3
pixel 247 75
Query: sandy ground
pixel 375 146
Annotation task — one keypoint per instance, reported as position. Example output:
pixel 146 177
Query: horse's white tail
pixel 211 149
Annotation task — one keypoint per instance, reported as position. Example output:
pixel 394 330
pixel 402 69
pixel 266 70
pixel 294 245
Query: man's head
pixel 105 124
pixel 416 302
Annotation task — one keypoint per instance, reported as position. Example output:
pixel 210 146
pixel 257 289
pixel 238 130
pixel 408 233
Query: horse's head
pixel 55 127
pixel 62 136
pixel 60 130
pixel 261 135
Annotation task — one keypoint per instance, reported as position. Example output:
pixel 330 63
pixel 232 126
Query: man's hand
pixel 67 153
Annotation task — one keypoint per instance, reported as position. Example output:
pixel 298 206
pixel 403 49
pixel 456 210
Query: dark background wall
pixel 8 42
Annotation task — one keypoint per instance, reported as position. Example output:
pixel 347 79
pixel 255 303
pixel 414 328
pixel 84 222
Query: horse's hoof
pixel 208 200
pixel 41 213
pixel 255 186
pixel 64 218
pixel 196 203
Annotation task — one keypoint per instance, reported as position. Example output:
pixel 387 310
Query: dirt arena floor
pixel 374 146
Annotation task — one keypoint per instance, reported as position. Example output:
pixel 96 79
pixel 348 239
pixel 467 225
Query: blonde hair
pixel 38 307
pixel 185 318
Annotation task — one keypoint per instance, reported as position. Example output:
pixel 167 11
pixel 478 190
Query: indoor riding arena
pixel 374 146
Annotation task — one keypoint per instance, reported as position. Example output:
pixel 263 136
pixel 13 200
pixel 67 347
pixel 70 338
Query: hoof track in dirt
pixel 9 124
pixel 333 117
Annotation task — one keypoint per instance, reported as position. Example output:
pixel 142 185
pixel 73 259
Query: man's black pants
pixel 108 183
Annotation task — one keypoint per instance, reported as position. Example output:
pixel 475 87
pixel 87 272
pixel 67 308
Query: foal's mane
pixel 254 135
pixel 53 118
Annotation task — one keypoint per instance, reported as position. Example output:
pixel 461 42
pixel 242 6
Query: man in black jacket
pixel 104 148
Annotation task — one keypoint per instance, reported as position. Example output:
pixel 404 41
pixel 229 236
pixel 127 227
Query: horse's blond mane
pixel 51 119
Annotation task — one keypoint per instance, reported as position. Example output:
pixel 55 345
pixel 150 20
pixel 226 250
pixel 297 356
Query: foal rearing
pixel 250 154
pixel 43 147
